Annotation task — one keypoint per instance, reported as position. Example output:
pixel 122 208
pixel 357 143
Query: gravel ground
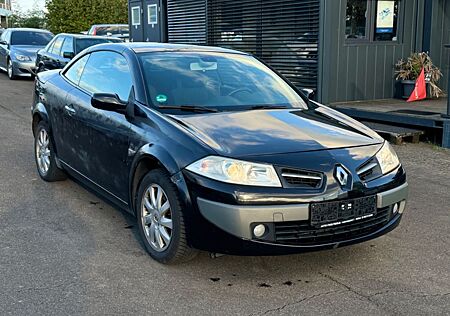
pixel 65 251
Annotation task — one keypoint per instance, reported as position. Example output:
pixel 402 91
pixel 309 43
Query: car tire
pixel 10 70
pixel 165 245
pixel 45 156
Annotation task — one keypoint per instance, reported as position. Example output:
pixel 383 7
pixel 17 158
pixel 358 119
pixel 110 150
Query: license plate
pixel 341 212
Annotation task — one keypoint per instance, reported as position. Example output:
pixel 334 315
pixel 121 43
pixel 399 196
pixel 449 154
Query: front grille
pixel 302 178
pixel 302 233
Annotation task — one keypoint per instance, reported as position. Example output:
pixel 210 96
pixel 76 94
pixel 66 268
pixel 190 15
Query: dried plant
pixel 410 69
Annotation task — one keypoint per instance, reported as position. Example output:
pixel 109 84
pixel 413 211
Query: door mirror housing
pixel 68 55
pixel 309 93
pixel 109 102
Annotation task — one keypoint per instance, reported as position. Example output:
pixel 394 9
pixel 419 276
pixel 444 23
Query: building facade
pixel 5 12
pixel 343 49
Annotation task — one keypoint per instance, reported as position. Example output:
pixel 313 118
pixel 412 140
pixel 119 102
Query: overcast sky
pixel 26 5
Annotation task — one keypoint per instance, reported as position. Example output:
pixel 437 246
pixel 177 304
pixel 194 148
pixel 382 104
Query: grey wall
pixel 363 71
pixel 440 35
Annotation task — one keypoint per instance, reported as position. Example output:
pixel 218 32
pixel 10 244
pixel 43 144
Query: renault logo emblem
pixel 343 177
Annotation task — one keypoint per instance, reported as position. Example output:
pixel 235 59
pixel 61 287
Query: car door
pixel 67 48
pixel 54 57
pixel 4 49
pixel 102 136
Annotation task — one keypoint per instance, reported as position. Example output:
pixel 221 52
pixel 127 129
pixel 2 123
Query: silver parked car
pixel 18 48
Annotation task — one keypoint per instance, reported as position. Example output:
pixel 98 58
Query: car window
pixel 216 80
pixel 30 38
pixel 83 43
pixel 107 72
pixel 67 47
pixel 56 49
pixel 76 70
pixel 108 30
pixel 49 46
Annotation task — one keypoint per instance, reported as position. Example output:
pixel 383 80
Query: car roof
pixel 165 47
pixel 109 25
pixel 25 29
pixel 83 36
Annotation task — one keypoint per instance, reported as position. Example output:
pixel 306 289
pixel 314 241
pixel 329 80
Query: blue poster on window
pixel 385 17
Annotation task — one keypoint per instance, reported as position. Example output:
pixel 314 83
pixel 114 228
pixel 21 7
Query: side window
pixel 76 70
pixel 49 46
pixel 67 47
pixel 107 72
pixel 56 49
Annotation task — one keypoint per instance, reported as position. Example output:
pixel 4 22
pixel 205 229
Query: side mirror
pixel 68 55
pixel 109 102
pixel 3 43
pixel 309 93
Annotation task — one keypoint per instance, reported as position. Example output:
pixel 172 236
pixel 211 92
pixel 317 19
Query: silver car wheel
pixel 43 151
pixel 156 217
pixel 10 69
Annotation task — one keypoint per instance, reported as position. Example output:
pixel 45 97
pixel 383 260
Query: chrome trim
pixel 367 168
pixel 93 182
pixel 293 175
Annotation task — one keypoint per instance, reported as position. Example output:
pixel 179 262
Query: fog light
pixel 395 208
pixel 259 230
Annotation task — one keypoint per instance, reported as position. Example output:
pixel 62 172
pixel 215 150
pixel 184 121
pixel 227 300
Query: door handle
pixel 70 110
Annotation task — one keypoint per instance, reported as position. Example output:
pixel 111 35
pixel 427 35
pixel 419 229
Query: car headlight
pixel 387 158
pixel 236 171
pixel 22 57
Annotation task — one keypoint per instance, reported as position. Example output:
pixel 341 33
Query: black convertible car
pixel 211 149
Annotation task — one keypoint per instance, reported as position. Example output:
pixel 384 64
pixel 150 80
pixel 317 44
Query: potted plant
pixel 408 70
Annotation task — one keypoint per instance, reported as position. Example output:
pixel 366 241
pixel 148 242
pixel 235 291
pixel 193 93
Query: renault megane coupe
pixel 213 150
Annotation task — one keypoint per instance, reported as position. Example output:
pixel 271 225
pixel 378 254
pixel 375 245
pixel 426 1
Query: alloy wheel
pixel 10 69
pixel 156 217
pixel 43 151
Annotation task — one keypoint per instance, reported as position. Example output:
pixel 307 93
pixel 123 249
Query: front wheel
pixel 11 73
pixel 160 219
pixel 45 155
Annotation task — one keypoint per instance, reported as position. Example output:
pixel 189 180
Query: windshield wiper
pixel 268 107
pixel 190 108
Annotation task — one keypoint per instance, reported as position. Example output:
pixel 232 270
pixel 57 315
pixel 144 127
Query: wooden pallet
pixel 395 134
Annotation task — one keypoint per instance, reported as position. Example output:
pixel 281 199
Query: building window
pixel 386 21
pixel 135 16
pixel 371 20
pixel 152 11
pixel 356 19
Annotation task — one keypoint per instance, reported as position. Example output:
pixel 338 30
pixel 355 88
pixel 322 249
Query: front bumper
pixel 24 69
pixel 220 222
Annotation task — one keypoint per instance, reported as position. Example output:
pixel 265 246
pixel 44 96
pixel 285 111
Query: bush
pixel 75 16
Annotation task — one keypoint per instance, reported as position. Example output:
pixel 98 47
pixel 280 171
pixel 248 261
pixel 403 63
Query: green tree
pixel 74 16
pixel 34 18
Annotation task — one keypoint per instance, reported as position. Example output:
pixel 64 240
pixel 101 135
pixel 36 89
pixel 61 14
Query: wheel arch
pixel 39 114
pixel 148 158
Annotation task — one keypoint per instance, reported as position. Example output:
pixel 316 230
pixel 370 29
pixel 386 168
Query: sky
pixel 26 5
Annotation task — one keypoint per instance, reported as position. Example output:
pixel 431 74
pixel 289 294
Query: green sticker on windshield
pixel 161 98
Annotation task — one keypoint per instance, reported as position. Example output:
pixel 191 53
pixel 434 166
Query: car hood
pixel 28 50
pixel 264 132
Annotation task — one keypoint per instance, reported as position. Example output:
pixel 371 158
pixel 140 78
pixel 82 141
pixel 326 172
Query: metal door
pixel 152 21
pixel 136 21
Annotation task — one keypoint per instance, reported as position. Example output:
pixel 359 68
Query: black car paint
pixel 106 149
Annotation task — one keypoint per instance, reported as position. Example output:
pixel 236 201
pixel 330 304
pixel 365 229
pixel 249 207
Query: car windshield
pixel 214 80
pixel 30 38
pixel 83 43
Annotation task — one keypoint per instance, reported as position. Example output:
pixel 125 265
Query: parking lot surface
pixel 65 251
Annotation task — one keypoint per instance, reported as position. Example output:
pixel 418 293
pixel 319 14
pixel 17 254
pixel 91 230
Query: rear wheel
pixel 45 155
pixel 160 219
